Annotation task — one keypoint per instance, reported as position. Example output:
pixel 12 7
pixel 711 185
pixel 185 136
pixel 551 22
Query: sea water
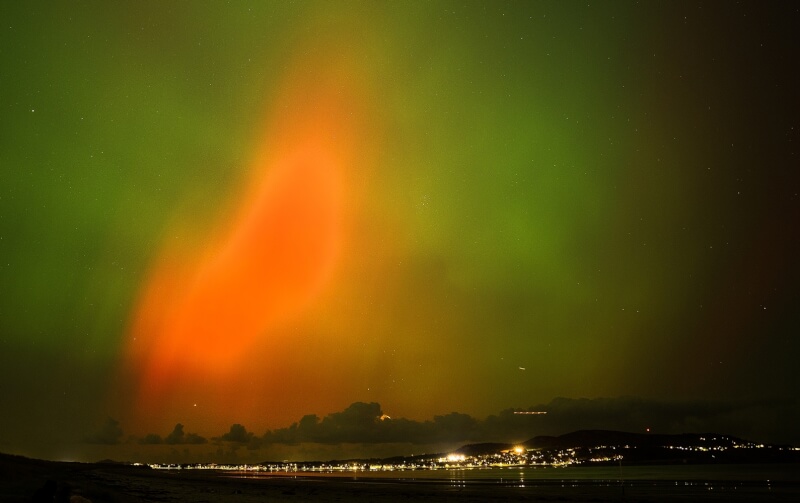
pixel 767 474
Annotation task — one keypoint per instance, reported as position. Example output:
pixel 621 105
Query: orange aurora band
pixel 207 313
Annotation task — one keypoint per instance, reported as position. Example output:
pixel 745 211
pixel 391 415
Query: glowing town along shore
pixel 515 457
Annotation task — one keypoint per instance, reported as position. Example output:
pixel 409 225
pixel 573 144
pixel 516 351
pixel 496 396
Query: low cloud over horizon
pixel 177 437
pixel 366 423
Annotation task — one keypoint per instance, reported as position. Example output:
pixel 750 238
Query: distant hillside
pixel 653 448
pixel 480 449
pixel 594 438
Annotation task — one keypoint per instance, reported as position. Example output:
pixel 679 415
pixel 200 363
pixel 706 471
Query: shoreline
pixel 21 479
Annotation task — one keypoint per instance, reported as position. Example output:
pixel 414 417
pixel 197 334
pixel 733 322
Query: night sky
pixel 243 213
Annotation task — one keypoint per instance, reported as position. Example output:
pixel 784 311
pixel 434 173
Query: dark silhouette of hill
pixel 652 448
pixel 484 448
pixel 594 438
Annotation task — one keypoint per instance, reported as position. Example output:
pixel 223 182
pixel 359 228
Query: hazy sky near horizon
pixel 246 212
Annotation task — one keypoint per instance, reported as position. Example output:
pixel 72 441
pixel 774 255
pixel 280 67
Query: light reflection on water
pixel 678 475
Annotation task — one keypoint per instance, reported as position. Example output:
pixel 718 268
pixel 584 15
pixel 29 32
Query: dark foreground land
pixel 26 480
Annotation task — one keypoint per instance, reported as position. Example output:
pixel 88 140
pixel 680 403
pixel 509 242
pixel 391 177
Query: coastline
pixel 20 479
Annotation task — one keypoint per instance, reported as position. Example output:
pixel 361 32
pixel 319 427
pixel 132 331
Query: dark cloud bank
pixel 366 423
pixel 361 423
pixel 109 433
pixel 177 437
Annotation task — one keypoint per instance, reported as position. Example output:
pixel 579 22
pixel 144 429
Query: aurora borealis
pixel 247 212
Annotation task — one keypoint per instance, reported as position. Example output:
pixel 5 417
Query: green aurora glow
pixel 603 194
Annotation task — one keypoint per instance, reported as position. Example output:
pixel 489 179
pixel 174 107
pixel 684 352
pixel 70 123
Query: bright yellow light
pixel 519 450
